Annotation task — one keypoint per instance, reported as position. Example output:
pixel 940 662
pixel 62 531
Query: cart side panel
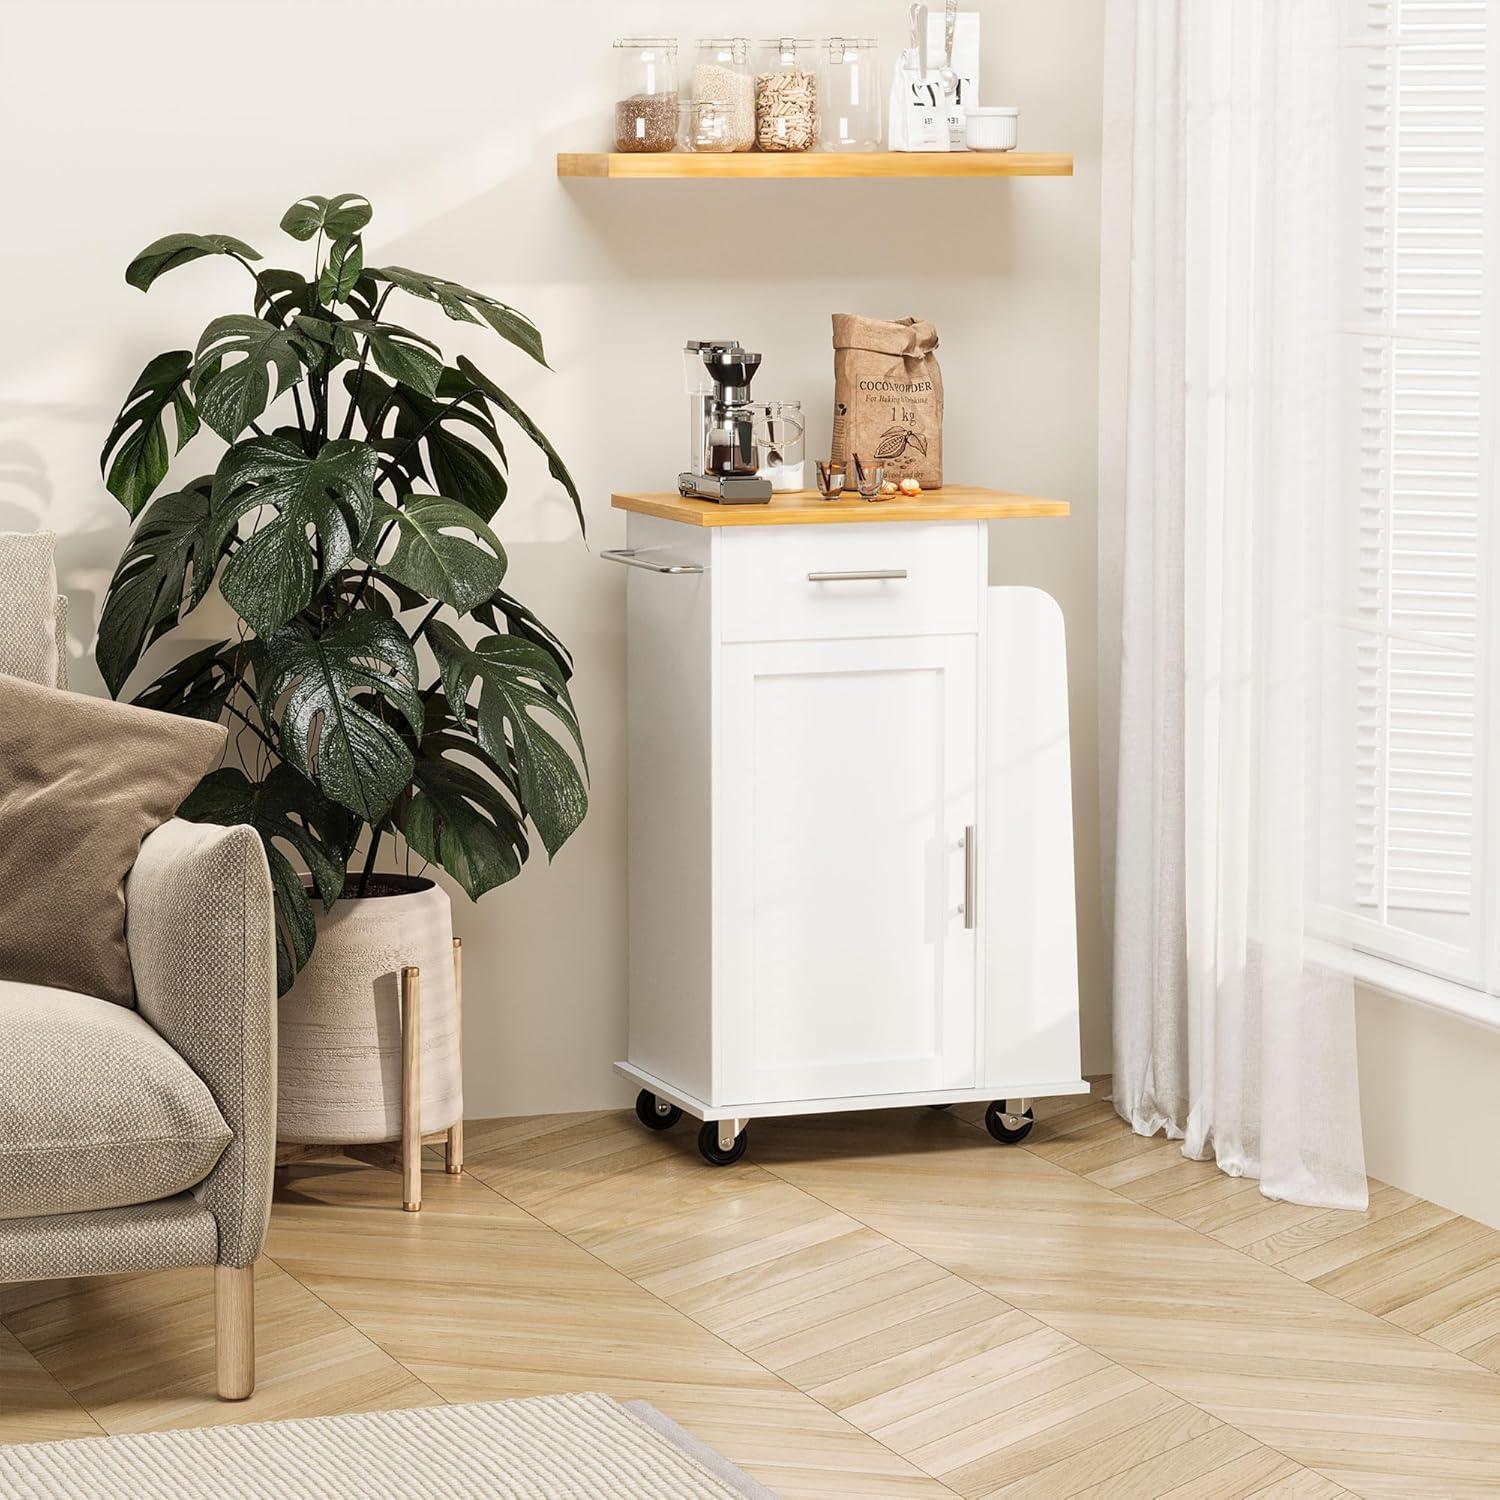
pixel 1026 895
pixel 669 660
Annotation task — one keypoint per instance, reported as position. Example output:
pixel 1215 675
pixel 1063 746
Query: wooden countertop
pixel 954 502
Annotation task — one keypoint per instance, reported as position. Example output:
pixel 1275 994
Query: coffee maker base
pixel 727 489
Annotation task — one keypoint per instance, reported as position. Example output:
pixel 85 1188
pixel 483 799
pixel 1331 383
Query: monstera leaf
pixel 325 341
pixel 274 573
pixel 231 371
pixel 443 550
pixel 463 472
pixel 455 814
pixel 343 691
pixel 341 273
pixel 284 809
pixel 461 304
pixel 283 294
pixel 174 250
pixel 165 572
pixel 369 591
pixel 401 354
pixel 454 466
pixel 200 684
pixel 522 696
pixel 138 440
pixel 519 620
pixel 337 217
pixel 492 393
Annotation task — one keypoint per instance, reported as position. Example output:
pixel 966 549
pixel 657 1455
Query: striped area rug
pixel 584 1447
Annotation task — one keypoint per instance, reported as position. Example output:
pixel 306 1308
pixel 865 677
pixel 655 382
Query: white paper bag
pixel 919 111
pixel 964 63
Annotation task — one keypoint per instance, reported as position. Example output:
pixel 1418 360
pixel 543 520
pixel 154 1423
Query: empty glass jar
pixel 786 95
pixel 850 109
pixel 707 126
pixel 646 96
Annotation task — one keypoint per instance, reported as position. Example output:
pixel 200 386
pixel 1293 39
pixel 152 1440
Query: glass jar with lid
pixel 722 76
pixel 851 104
pixel 786 95
pixel 707 126
pixel 780 434
pixel 646 93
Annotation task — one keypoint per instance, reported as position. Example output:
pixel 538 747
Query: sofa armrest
pixel 200 926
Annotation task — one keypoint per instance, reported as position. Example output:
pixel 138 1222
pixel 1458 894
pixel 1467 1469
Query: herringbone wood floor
pixel 871 1305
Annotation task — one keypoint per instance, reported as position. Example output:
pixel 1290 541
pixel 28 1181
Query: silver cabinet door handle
pixel 971 875
pixel 860 575
pixel 630 558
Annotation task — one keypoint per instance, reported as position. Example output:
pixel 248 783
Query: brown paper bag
pixel 888 397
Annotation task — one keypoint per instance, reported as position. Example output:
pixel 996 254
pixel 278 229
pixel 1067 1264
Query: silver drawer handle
pixel 861 575
pixel 630 558
pixel 971 877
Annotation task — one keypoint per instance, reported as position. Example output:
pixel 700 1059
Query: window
pixel 1426 668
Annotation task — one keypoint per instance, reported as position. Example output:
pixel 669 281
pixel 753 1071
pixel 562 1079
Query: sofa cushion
pixel 28 607
pixel 96 1110
pixel 82 782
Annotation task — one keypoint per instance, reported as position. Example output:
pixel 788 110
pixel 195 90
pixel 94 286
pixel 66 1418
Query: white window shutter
pixel 1420 126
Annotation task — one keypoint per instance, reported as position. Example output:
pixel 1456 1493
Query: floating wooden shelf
pixel 656 166
pixel 954 502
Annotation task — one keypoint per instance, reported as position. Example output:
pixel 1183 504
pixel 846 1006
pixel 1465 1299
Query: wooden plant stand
pixel 404 1154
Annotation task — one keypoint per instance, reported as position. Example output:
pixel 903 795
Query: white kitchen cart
pixel 850 825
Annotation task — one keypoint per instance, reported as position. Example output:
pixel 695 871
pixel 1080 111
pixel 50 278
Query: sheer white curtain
pixel 1220 506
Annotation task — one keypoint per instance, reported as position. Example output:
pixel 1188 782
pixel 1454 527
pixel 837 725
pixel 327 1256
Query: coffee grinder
pixel 723 455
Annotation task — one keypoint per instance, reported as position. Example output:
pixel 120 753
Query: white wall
pixel 126 119
pixel 1431 1107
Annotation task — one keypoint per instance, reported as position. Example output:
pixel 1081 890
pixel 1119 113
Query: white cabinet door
pixel 845 779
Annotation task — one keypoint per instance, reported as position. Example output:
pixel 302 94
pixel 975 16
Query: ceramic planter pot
pixel 339 1049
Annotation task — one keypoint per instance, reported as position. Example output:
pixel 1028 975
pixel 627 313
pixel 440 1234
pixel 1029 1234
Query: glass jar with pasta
pixel 786 95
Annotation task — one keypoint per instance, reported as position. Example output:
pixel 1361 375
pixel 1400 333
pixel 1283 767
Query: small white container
pixel 993 129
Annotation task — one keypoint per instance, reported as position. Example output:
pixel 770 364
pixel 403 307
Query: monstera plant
pixel 348 523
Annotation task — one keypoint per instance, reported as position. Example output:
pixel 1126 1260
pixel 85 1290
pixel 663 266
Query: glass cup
pixel 831 479
pixel 869 479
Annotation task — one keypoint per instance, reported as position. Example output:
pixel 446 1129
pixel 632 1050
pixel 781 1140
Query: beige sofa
pixel 199 923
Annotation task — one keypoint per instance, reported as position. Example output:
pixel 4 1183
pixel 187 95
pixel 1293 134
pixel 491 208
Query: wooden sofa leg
pixel 234 1325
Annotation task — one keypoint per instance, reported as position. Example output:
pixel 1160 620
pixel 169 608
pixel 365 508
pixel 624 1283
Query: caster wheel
pixel 994 1122
pixel 708 1144
pixel 654 1113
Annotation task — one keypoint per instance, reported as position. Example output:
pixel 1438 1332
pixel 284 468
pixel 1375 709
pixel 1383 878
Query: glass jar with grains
pixel 646 100
pixel 722 76
pixel 786 95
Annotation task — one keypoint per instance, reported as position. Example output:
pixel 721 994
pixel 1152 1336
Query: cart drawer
pixel 783 583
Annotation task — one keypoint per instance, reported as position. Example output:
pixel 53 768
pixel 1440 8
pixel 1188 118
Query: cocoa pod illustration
pixel 892 443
